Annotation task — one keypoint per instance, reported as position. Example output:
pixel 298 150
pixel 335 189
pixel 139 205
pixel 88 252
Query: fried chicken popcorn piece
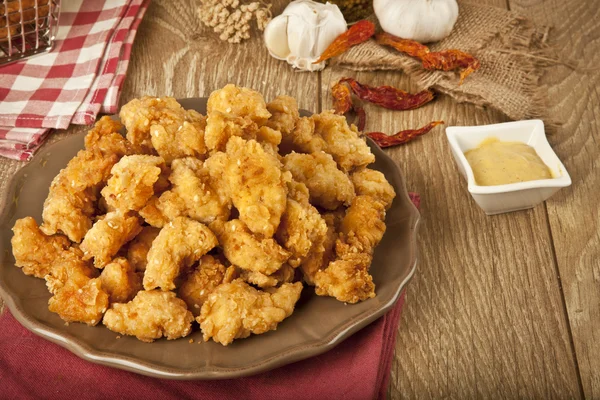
pixel 285 274
pixel 284 114
pixel 370 182
pixel 120 281
pixel 235 310
pixel 323 251
pixel 149 316
pixel 34 251
pixel 347 278
pixel 342 142
pixel 302 138
pixel 152 214
pixel 70 204
pixel 364 224
pixel 171 142
pixel 302 228
pixel 139 115
pixel 80 303
pixel 201 282
pixel 220 127
pixel 239 101
pixel 177 247
pixel 69 266
pixel 132 182
pixel 137 252
pixel 329 187
pixel 105 137
pixel 257 185
pixel 195 194
pixel 108 235
pixel 244 249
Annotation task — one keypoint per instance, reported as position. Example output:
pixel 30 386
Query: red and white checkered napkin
pixel 81 77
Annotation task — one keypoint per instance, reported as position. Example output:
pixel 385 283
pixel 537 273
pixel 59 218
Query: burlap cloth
pixel 511 49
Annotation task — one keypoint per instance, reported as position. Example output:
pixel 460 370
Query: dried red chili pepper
pixel 401 137
pixel 356 34
pixel 448 60
pixel 410 47
pixel 342 98
pixel 362 118
pixel 445 60
pixel 389 97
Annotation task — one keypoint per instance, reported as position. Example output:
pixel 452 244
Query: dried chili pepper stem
pixel 401 137
pixel 445 60
pixel 356 34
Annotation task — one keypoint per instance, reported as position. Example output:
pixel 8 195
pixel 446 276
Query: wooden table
pixel 503 306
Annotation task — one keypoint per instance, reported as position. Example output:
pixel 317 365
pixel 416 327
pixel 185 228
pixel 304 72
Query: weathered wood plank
pixel 484 316
pixel 574 213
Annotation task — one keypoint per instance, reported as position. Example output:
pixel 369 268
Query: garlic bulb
pixel 303 31
pixel 421 20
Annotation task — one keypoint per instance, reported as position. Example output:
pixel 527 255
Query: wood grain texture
pixel 574 212
pixel 175 55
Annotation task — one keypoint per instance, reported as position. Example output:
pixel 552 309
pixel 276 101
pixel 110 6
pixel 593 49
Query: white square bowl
pixel 499 199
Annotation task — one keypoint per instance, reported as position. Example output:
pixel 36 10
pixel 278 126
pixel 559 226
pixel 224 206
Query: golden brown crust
pixel 177 247
pixel 149 316
pixel 236 310
pixel 34 251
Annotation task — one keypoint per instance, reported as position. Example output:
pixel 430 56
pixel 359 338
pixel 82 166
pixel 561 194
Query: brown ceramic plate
pixel 317 325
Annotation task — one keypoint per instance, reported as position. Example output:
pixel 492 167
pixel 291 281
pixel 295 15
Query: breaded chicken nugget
pixel 235 310
pixel 80 303
pixel 120 281
pixel 284 114
pixel 364 224
pixel 201 282
pixel 243 249
pixel 177 247
pixel 343 142
pixel 139 115
pixel 149 316
pixel 69 266
pixel 132 182
pixel 302 228
pixel 35 252
pixel 372 183
pixel 239 101
pixel 108 235
pixel 137 251
pixel 329 187
pixel 257 185
pixel 347 278
pixel 195 193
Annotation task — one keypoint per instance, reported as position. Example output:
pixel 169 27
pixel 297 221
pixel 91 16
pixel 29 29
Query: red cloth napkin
pixel 33 368
pixel 81 77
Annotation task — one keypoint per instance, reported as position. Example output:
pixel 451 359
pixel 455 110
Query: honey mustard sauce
pixel 498 163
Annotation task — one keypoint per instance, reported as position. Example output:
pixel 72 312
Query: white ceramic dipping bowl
pixel 499 199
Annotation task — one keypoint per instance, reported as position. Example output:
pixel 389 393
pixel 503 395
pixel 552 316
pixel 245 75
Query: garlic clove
pixel 301 34
pixel 276 37
pixel 421 20
pixel 308 28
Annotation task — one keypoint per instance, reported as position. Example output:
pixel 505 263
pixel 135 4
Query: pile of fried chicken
pixel 217 218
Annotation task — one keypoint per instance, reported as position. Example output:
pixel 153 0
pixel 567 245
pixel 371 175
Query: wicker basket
pixel 27 28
